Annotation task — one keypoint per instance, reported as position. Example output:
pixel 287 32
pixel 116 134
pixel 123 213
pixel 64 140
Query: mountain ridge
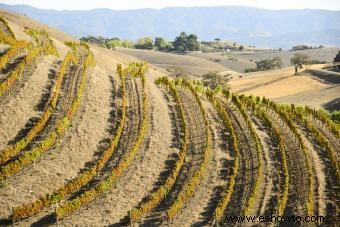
pixel 252 26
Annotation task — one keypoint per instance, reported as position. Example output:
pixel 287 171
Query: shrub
pixel 214 80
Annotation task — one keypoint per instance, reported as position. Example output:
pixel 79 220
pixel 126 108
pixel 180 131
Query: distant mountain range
pixel 252 26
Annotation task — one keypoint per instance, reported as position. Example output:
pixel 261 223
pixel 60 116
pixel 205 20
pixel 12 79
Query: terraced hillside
pixel 91 137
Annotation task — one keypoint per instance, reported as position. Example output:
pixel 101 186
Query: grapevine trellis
pixel 83 198
pixel 259 136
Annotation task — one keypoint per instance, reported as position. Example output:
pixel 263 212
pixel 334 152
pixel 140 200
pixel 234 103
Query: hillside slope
pixel 176 63
pixel 283 86
pixel 95 137
pixel 91 128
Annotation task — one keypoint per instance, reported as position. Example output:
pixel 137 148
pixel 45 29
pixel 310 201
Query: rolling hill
pixel 97 137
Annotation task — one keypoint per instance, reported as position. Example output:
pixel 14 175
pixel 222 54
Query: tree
pixel 126 43
pixel 214 80
pixel 265 64
pixel 95 40
pixel 192 43
pixel 240 48
pixel 112 43
pixel 183 42
pixel 180 42
pixel 298 60
pixel 108 43
pixel 249 70
pixel 277 63
pixel 162 45
pixel 269 64
pixel 144 43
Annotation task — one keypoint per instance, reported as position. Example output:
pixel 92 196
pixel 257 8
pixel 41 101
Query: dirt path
pixel 22 104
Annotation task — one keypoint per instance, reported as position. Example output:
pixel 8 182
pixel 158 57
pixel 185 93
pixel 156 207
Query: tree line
pixel 181 43
pixel 305 47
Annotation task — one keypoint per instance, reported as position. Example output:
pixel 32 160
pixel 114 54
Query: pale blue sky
pixel 135 4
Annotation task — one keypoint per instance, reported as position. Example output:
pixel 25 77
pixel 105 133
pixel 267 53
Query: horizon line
pixel 167 7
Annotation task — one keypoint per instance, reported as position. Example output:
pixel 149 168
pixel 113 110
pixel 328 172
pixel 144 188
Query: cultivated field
pixel 233 64
pixel 322 54
pixel 95 137
pixel 176 64
pixel 196 64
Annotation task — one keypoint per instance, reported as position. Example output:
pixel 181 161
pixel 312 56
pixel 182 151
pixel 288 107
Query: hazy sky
pixel 135 4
